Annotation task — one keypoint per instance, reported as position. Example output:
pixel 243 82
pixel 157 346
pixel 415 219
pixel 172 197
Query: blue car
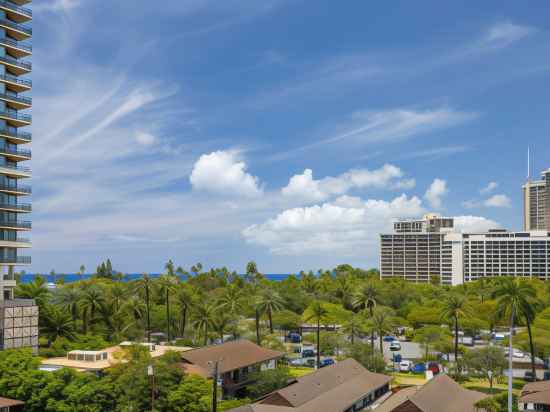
pixel 389 338
pixel 326 362
pixel 294 338
pixel 419 368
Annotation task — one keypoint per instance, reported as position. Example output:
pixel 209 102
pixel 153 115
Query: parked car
pixel 467 341
pixel 389 338
pixel 529 377
pixel 546 376
pixel 518 354
pixel 395 345
pixel 294 337
pixel 419 368
pixel 308 353
pixel 434 367
pixel 297 362
pixel 326 362
pixel 405 366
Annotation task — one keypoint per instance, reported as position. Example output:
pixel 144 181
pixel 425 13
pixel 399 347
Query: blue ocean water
pixel 73 277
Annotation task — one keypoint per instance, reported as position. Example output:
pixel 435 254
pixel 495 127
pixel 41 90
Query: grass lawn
pixel 407 379
pixel 482 385
pixel 297 371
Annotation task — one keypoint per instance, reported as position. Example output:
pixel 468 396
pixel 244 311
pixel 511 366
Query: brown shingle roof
pixel 6 402
pixel 233 355
pixel 536 392
pixel 442 394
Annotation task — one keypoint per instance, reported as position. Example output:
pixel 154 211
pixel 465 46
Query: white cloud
pixel 348 226
pixel 474 224
pixel 435 193
pixel 223 172
pixel 471 204
pixel 306 188
pixel 504 34
pixel 491 186
pixel 145 139
pixel 436 152
pixel 498 201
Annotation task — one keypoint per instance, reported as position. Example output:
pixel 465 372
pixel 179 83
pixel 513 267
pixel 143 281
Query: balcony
pixel 16 102
pixel 15 84
pixel 14 118
pixel 16 136
pixel 15 171
pixel 14 153
pixel 19 243
pixel 19 260
pixel 15 12
pixel 20 224
pixel 16 66
pixel 16 190
pixel 19 207
pixel 15 48
pixel 17 31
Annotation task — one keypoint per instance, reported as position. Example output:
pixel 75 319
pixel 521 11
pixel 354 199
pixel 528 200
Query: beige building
pixel 536 203
pixel 18 318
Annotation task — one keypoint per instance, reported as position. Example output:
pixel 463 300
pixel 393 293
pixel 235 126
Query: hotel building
pixel 536 203
pixel 18 318
pixel 429 249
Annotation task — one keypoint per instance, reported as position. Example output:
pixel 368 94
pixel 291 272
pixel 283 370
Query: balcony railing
pixel 16 8
pixel 16 134
pixel 24 207
pixel 24 260
pixel 16 44
pixel 19 188
pixel 15 152
pixel 20 224
pixel 15 26
pixel 16 98
pixel 16 62
pixel 13 114
pixel 16 80
pixel 16 168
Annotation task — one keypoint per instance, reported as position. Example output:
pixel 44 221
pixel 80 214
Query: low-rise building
pixel 11 405
pixel 98 360
pixel 343 387
pixel 441 394
pixel 237 361
pixel 535 396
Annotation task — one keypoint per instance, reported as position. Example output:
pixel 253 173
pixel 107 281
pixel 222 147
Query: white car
pixel 395 345
pixel 405 366
pixel 518 354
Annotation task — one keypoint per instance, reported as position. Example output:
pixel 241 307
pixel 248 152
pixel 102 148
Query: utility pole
pixel 151 374
pixel 215 366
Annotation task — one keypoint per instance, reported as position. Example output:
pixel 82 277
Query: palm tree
pixel 57 324
pixel 232 301
pixel 353 327
pixel 455 306
pixel 167 285
pixel 117 294
pixel 382 322
pixel 184 298
pixel 68 299
pixel 269 302
pixel 515 299
pixel 145 284
pixel 36 290
pixel 221 323
pixel 91 299
pixel 344 291
pixel 318 313
pixel 204 318
pixel 367 299
pixel 81 271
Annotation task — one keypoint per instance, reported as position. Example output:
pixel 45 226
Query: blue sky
pixel 287 132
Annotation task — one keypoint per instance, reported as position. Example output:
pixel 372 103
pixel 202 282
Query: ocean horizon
pixel 73 277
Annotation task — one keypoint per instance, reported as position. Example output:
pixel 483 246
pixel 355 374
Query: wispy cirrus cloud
pixel 55 5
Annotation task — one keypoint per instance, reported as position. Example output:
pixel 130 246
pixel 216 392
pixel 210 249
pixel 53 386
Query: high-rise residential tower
pixel 536 203
pixel 18 318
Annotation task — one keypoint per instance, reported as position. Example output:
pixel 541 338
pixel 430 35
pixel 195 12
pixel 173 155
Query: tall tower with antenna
pixel 536 200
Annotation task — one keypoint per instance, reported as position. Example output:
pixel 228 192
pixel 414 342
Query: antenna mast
pixel 528 164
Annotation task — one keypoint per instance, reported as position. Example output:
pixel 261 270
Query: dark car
pixel 294 337
pixel 529 377
pixel 308 353
pixel 389 338
pixel 326 362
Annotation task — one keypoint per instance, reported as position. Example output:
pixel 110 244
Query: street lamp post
pixel 151 374
pixel 215 371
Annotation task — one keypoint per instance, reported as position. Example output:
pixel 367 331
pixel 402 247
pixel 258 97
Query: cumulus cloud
pixel 498 201
pixel 491 186
pixel 305 187
pixel 222 172
pixel 435 193
pixel 474 224
pixel 346 226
